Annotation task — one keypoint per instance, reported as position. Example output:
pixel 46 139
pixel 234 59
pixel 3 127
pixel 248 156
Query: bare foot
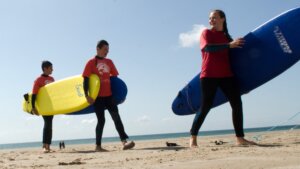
pixel 100 149
pixel 127 146
pixel 241 141
pixel 193 142
pixel 45 150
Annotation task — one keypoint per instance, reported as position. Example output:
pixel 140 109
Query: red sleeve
pixel 114 71
pixel 40 82
pixel 36 86
pixel 88 69
pixel 204 39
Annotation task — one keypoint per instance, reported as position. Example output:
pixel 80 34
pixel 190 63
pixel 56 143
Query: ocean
pixel 147 137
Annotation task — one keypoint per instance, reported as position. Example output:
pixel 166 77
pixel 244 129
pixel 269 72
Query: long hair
pixel 225 29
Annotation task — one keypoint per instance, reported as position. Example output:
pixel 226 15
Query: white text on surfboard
pixel 282 41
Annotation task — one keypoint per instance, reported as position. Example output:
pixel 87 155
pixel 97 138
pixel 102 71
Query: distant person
pixel 216 73
pixel 41 81
pixel 104 68
pixel 63 144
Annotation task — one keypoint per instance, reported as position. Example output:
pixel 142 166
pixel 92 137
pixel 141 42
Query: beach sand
pixel 277 150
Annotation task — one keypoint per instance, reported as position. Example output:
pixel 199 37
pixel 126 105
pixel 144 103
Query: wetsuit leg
pixel 99 110
pixel 47 131
pixel 232 92
pixel 208 87
pixel 114 112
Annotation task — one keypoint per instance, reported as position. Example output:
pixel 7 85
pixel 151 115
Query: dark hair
pixel 225 29
pixel 101 43
pixel 46 64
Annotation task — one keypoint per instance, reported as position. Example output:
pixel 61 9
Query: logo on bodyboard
pixel 79 89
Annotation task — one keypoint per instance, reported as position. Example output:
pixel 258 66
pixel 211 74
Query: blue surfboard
pixel 270 49
pixel 119 93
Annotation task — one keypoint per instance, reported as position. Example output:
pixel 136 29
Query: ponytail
pixel 225 29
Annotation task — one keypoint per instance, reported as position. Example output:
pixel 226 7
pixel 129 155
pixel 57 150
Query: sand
pixel 277 150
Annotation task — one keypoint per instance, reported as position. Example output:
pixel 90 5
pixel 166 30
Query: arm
pixel 33 98
pixel 86 86
pixel 86 73
pixel 207 45
pixel 34 110
pixel 86 90
pixel 36 87
pixel 237 43
pixel 215 47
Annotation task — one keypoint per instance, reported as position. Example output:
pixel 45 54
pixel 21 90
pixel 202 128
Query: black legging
pixel 101 104
pixel 231 91
pixel 47 131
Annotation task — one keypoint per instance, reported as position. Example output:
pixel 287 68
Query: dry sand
pixel 277 150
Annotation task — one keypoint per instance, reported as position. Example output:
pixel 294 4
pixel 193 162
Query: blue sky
pixel 153 44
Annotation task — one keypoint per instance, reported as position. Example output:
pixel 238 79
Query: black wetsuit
pixel 231 90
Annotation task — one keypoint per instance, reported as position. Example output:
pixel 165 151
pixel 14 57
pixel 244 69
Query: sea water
pixel 146 137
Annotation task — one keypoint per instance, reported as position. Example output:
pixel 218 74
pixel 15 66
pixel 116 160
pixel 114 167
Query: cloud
pixel 191 38
pixel 144 119
pixel 88 121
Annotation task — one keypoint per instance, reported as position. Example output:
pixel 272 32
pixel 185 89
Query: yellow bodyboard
pixel 63 96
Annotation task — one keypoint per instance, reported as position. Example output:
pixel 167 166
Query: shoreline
pixel 277 150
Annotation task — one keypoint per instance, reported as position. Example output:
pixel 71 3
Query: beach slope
pixel 277 150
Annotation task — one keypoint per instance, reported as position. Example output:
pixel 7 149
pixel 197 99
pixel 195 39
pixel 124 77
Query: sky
pixel 155 47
